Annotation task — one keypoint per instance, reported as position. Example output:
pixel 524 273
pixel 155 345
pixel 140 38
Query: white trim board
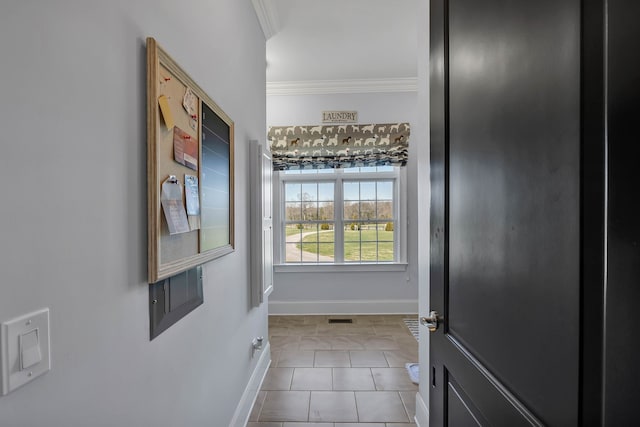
pixel 250 394
pixel 344 307
pixel 322 87
pixel 422 412
pixel 267 16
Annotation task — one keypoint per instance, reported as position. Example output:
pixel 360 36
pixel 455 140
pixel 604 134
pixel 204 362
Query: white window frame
pixel 338 176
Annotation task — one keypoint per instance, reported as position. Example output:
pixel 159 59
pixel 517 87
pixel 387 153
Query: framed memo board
pixel 189 171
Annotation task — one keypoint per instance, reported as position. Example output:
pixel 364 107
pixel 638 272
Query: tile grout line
pixel 373 380
pixel 356 402
pixel 405 406
pixel 375 384
pixel 293 374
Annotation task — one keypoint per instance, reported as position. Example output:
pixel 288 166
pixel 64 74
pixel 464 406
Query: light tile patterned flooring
pixel 338 375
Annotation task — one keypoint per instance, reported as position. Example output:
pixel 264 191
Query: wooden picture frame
pixel 187 134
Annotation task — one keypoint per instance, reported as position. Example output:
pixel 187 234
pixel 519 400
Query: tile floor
pixel 338 375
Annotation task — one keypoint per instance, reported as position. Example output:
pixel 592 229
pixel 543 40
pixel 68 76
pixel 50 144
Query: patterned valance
pixel 339 146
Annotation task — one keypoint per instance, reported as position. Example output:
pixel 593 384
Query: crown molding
pixel 267 16
pixel 321 87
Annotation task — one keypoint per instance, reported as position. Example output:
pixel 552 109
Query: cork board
pixel 188 136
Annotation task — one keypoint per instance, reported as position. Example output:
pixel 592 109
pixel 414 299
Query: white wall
pixel 73 214
pixel 351 292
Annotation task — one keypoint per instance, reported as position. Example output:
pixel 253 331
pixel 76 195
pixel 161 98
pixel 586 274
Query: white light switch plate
pixel 12 375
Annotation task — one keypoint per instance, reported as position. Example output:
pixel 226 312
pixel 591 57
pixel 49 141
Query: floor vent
pixel 340 320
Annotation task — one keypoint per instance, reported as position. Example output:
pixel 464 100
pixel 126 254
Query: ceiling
pixel 346 42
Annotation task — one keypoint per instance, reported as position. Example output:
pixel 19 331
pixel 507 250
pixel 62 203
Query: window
pixel 341 216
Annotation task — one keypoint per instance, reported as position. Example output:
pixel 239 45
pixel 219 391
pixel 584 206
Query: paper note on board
pixel 174 213
pixel 163 101
pixel 191 192
pixel 185 149
pixel 190 103
pixel 193 201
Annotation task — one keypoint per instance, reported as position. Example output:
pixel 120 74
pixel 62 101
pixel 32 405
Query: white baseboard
pixel 422 412
pixel 248 399
pixel 344 307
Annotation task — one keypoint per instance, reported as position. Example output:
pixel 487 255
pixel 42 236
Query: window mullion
pixel 338 213
pixel 280 208
pixel 399 220
pixel 377 222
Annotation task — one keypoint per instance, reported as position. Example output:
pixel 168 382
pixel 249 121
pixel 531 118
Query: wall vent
pixel 340 320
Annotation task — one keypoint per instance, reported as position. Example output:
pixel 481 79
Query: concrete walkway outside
pixel 293 253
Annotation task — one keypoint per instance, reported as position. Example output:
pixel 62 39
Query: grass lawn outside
pixel 290 230
pixel 358 245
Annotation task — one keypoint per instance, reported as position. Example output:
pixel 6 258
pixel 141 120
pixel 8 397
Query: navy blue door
pixel 506 212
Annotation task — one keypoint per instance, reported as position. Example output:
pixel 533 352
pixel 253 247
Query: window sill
pixel 338 268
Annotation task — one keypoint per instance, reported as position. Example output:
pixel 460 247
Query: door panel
pixel 505 267
pixel 459 406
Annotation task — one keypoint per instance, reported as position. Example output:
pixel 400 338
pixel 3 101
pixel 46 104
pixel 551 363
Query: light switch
pixel 24 350
pixel 29 349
